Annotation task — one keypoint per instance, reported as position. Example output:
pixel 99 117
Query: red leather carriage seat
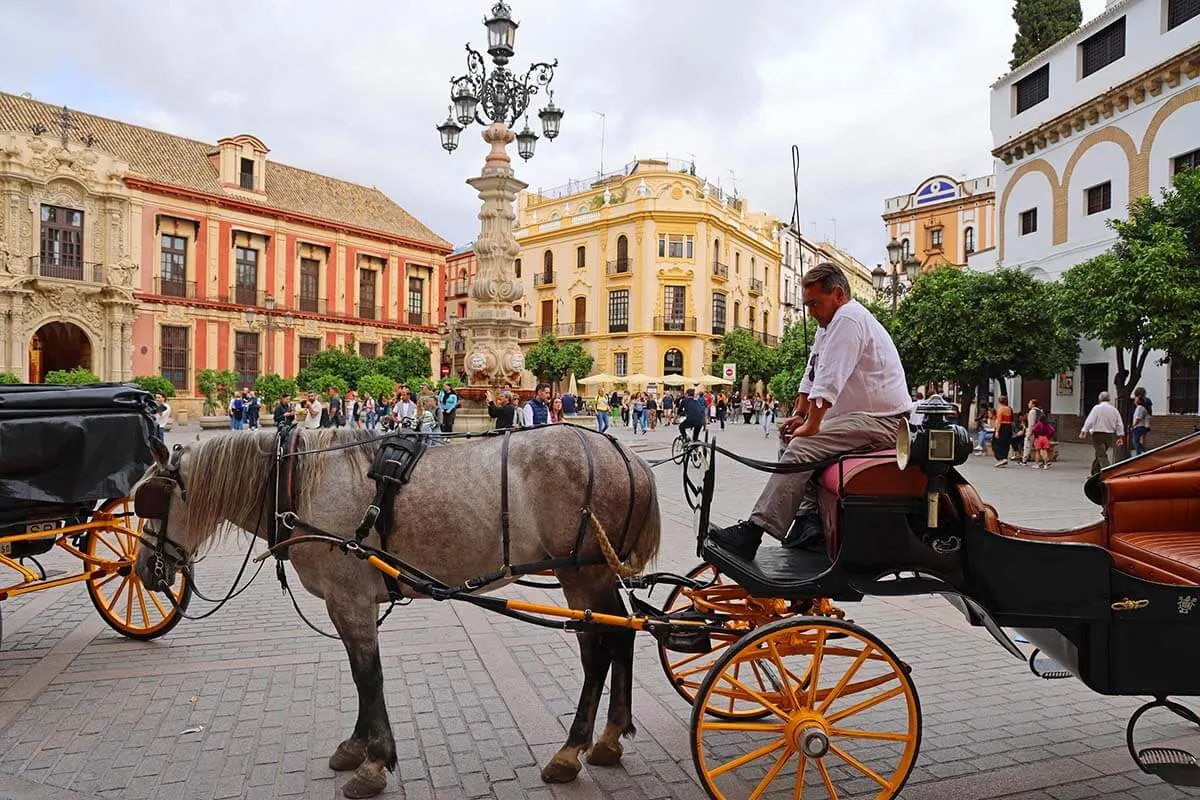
pixel 875 474
pixel 1154 525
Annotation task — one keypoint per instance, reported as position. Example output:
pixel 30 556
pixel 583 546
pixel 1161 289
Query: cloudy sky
pixel 877 94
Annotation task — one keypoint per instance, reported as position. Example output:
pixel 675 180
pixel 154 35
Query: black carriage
pixel 69 457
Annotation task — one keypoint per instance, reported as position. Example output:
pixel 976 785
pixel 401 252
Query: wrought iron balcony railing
pixel 543 279
pixel 756 286
pixel 66 268
pixel 622 266
pixel 721 270
pixel 311 305
pixel 456 288
pixel 618 327
pixel 416 318
pixel 169 287
pixel 718 328
pixel 680 324
pixel 368 311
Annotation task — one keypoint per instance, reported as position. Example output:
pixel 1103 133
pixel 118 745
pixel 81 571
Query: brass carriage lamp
pixel 936 446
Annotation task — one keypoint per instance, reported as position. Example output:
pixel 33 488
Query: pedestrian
pixel 313 411
pixel 427 423
pixel 1042 433
pixel 372 418
pixel 284 414
pixel 253 409
pixel 638 409
pixel 237 412
pixel 501 409
pixel 537 411
pixel 652 411
pixel 1003 431
pixel 556 411
pixel 448 404
pixel 162 417
pixel 747 409
pixel 668 408
pixel 1140 426
pixel 768 417
pixel 694 418
pixel 404 411
pixel 722 409
pixel 569 404
pixel 985 430
pixel 336 417
pixel 1032 416
pixel 603 417
pixel 1105 426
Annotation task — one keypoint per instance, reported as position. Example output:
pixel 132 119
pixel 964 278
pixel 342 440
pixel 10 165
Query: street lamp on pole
pixel 498 99
pixel 888 284
pixel 269 325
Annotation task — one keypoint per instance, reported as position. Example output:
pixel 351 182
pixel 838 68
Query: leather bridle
pixel 152 502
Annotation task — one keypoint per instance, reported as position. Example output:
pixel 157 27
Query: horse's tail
pixel 648 539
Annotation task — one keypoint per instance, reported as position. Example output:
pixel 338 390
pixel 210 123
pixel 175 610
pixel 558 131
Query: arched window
pixel 517 267
pixel 753 266
pixel 787 253
pixel 580 257
pixel 766 323
pixel 548 264
pixel 737 314
pixel 969 240
pixel 622 254
pixel 716 251
pixel 737 263
pixel 673 362
pixel 580 316
pixel 907 247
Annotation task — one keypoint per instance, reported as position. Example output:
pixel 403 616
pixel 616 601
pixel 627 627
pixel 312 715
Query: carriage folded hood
pixel 72 445
pixel 1181 455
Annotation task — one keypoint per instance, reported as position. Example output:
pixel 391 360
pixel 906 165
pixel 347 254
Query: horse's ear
pixel 159 450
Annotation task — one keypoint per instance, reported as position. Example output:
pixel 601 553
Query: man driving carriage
pixel 851 398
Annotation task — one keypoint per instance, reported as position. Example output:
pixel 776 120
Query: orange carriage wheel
pixel 119 595
pixel 845 724
pixel 686 671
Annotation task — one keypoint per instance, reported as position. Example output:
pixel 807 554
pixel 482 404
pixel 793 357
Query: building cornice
pixel 235 204
pixel 1132 92
pixel 656 215
pixel 945 205
pixel 1074 37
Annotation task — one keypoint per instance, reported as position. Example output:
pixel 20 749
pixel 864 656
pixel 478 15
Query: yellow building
pixel 647 266
pixel 944 221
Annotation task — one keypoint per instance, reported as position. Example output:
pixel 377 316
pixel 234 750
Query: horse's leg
pixel 371 749
pixel 608 749
pixel 580 588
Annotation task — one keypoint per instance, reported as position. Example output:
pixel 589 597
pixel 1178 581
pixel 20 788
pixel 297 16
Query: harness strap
pixel 587 497
pixel 505 517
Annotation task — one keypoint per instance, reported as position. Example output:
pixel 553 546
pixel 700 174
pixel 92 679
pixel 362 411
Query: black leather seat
pixel 789 574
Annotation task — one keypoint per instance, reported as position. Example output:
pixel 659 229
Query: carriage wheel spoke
pixel 741 761
pixel 112 603
pixel 870 702
pixel 158 604
pixel 736 694
pixel 141 597
pixel 881 736
pixel 774 709
pixel 814 669
pixel 769 778
pixel 106 580
pixel 675 665
pixel 737 670
pixel 102 539
pixel 744 727
pixel 841 684
pixel 858 765
pixel 784 673
pixel 833 795
pixel 801 767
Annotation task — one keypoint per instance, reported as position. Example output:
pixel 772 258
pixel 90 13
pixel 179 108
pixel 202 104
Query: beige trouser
pixel 786 495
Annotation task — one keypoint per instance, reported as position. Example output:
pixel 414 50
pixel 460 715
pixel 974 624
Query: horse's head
pixel 159 499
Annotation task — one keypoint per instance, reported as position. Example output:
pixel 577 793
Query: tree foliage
pixel 79 376
pixel 376 385
pixel 1144 293
pixel 973 327
pixel 1041 23
pixel 551 360
pixel 8 379
pixel 271 387
pixel 404 360
pixel 155 384
pixel 754 359
pixel 790 358
pixel 218 387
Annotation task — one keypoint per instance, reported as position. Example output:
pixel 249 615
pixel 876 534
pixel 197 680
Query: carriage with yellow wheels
pixel 68 459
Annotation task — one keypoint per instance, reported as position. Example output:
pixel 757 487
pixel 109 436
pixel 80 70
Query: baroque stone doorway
pixel 58 345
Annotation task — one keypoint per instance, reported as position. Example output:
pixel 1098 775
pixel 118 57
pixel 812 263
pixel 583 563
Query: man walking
pixel 853 396
pixel 1104 424
pixel 537 410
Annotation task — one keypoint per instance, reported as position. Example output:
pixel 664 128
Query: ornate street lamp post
pixel 269 326
pixel 497 100
pixel 888 284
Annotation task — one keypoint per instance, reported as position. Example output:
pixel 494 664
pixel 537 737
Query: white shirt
pixel 1104 418
pixel 163 418
pixel 854 366
pixel 314 415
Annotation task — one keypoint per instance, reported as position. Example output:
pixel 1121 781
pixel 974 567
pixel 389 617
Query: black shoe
pixel 806 534
pixel 741 539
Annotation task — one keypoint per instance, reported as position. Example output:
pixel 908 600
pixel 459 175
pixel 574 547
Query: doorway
pixel 58 346
pixel 580 317
pixel 1095 381
pixel 1038 389
pixel 673 362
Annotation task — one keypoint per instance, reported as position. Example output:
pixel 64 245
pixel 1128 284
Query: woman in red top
pixel 1002 440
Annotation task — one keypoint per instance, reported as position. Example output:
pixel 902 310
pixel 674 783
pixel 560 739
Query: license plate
pixel 5 548
pixel 42 527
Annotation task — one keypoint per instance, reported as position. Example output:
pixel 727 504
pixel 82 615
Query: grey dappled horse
pixel 446 524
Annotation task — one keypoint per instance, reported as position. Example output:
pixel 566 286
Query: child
pixel 1042 433
pixel 426 422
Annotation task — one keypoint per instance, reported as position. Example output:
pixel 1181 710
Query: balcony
pixel 248 296
pixel 762 336
pixel 67 268
pixel 543 279
pixel 457 288
pixel 368 311
pixel 622 266
pixel 756 286
pixel 721 271
pixel 618 327
pixel 675 324
pixel 311 305
pixel 718 329
pixel 169 287
pixel 566 329
pixel 416 318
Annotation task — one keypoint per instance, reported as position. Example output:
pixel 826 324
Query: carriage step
pixel 1176 767
pixel 1046 668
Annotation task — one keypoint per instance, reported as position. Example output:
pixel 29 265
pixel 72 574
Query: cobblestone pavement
pixel 249 703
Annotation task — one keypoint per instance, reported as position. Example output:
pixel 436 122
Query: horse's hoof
pixel 349 755
pixel 364 784
pixel 604 754
pixel 561 771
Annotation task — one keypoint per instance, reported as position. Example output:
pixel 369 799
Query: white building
pixel 1104 116
pixel 790 268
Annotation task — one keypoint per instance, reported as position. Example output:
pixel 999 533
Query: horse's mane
pixel 231 477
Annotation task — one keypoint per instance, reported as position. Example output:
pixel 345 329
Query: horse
pixel 225 484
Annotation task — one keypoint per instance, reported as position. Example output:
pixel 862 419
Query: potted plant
pixel 218 387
